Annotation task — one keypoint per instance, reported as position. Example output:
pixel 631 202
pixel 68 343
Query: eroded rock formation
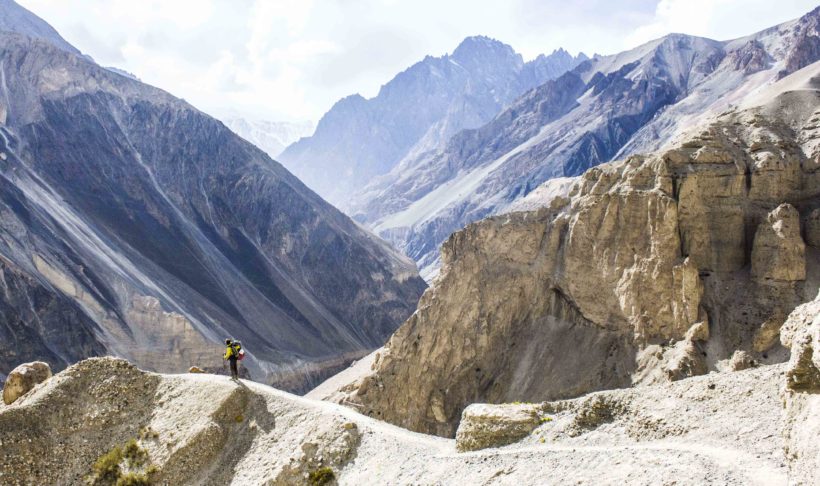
pixel 659 267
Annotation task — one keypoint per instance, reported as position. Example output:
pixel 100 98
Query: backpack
pixel 238 351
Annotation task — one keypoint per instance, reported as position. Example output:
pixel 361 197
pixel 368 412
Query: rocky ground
pixel 722 428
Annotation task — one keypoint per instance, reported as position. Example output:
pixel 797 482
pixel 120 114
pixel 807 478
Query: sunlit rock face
pixel 135 225
pixel 655 268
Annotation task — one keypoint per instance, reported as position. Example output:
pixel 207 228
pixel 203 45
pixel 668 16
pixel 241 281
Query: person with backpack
pixel 233 353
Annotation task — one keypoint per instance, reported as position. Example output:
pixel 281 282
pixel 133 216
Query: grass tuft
pixel 321 476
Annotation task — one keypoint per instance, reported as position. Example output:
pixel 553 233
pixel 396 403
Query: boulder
pixel 24 378
pixel 778 252
pixel 698 332
pixel 768 334
pixel 485 425
pixel 684 360
pixel 741 360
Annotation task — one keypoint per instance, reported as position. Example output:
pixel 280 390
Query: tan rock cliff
pixel 657 268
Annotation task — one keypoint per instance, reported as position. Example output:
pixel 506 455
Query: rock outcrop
pixel 23 378
pixel 801 333
pixel 778 251
pixel 483 425
pixel 656 268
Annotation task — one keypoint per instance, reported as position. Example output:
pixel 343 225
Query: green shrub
pixel 321 476
pixel 135 456
pixel 133 479
pixel 106 470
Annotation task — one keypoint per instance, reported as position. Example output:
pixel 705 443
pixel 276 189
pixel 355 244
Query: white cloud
pixel 718 19
pixel 292 59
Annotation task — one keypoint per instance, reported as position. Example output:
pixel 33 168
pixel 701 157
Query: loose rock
pixel 23 378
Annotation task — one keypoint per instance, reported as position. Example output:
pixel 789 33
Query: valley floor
pixel 717 429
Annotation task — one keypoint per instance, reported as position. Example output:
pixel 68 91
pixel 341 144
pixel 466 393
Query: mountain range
pixel 271 136
pixel 605 108
pixel 422 107
pixel 135 225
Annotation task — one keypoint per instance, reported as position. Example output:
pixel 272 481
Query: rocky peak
pixel 481 49
pixel 804 46
pixel 359 140
pixel 750 58
pixel 14 18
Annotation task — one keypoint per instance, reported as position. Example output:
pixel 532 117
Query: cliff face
pixel 655 268
pixel 135 225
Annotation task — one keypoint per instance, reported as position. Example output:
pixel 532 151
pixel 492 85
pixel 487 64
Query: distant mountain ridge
pixel 359 139
pixel 14 18
pixel 606 108
pixel 271 136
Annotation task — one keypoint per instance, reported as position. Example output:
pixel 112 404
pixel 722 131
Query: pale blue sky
pixel 292 59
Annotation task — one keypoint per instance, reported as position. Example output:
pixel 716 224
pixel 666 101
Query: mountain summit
pixel 14 18
pixel 360 139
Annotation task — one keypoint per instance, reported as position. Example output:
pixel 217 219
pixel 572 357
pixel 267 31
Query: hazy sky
pixel 292 59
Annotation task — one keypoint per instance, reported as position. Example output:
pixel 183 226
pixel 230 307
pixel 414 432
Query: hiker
pixel 232 355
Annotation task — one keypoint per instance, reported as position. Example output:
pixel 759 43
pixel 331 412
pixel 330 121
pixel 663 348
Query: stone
pixel 684 360
pixel 741 360
pixel 767 335
pixel 698 332
pixel 486 425
pixel 801 334
pixel 23 378
pixel 778 252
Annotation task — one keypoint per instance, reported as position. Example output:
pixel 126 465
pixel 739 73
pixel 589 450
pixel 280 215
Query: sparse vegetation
pixel 135 456
pixel 321 476
pixel 134 479
pixel 123 466
pixel 147 433
pixel 106 470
